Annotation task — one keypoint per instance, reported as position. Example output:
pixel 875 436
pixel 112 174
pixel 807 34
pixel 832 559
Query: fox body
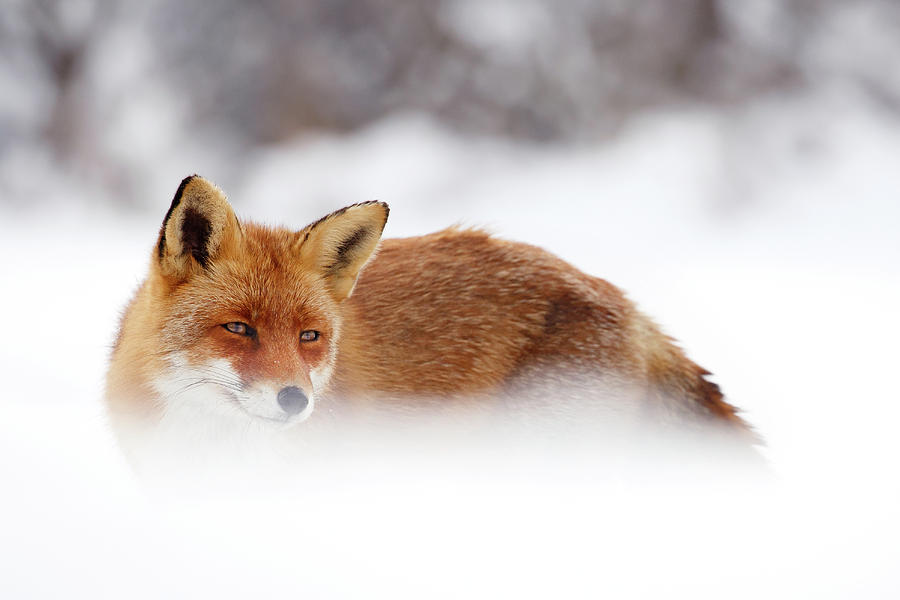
pixel 250 324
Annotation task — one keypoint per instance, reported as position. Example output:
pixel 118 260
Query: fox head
pixel 247 318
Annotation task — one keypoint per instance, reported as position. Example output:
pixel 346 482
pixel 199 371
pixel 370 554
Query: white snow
pixel 765 241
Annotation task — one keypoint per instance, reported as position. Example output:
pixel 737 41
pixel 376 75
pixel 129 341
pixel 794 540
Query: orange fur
pixel 454 316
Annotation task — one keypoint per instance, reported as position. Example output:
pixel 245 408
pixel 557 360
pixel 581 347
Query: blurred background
pixel 732 164
pixel 105 101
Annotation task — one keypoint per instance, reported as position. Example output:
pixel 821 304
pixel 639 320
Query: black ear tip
pixel 387 210
pixel 184 183
pixel 180 191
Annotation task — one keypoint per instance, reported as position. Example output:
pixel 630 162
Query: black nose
pixel 292 400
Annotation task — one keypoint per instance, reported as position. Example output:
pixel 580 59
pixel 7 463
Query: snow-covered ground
pixel 765 241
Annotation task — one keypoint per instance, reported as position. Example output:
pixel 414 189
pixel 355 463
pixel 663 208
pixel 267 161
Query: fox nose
pixel 292 400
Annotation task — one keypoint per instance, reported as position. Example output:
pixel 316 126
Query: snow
pixel 764 241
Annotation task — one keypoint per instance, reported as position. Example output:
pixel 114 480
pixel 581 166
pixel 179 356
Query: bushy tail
pixel 680 387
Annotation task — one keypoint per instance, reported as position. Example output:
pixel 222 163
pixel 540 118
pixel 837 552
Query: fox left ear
pixel 199 226
pixel 340 244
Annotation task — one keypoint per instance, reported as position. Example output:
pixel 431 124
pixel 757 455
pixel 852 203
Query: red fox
pixel 268 325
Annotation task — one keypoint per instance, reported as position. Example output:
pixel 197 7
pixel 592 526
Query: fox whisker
pixel 194 382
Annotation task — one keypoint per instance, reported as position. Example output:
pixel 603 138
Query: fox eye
pixel 309 335
pixel 238 328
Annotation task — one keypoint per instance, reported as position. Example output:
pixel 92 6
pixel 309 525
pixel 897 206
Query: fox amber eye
pixel 238 328
pixel 309 336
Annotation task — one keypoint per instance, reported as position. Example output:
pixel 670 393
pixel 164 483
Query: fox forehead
pixel 262 279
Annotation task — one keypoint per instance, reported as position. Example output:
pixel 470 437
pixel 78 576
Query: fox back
pixel 241 323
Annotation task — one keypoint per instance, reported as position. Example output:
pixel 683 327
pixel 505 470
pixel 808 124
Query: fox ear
pixel 340 244
pixel 198 227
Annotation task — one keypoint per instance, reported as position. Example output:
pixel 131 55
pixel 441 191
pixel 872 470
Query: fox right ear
pixel 199 226
pixel 339 245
